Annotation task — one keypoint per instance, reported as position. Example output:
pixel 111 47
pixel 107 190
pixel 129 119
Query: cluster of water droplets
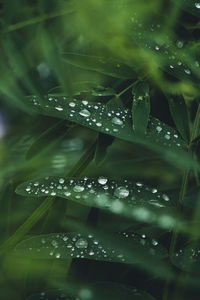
pixel 175 60
pixel 77 245
pixel 187 259
pixel 135 200
pixel 116 121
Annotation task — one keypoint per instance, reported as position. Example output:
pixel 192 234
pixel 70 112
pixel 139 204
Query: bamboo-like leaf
pixel 77 245
pixel 134 200
pixel 190 6
pixel 103 65
pixel 96 291
pixel 188 258
pixel 180 115
pixel 140 107
pixel 116 122
pixel 47 139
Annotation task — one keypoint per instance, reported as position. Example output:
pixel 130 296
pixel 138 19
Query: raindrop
pixel 72 104
pixel 102 180
pixel 78 188
pixel 58 108
pixel 117 121
pixel 121 192
pixel 61 180
pixel 81 243
pixel 197 5
pixel 84 113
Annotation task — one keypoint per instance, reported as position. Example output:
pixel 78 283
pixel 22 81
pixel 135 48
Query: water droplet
pixel 167 137
pixel 197 5
pixel 81 243
pixel 102 180
pixel 57 255
pixel 179 44
pixel 28 188
pixel 121 192
pixel 78 188
pixel 165 197
pixel 58 108
pixel 84 113
pixel 117 121
pixel 61 180
pixel 187 71
pixel 98 124
pixel 159 129
pixel 72 104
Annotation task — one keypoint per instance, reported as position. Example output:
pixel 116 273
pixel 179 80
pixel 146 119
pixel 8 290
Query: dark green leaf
pixel 180 115
pixel 140 107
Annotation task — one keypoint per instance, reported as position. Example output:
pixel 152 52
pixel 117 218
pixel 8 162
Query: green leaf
pixel 77 245
pixel 190 6
pixel 48 139
pixel 96 291
pixel 134 200
pixel 116 121
pixel 191 198
pixel 104 141
pixel 180 115
pixel 86 87
pixel 102 65
pixel 140 107
pixel 188 259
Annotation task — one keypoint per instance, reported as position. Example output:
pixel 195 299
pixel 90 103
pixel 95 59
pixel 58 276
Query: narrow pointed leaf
pixel 180 115
pixel 107 66
pixel 140 107
pixel 134 200
pixel 97 291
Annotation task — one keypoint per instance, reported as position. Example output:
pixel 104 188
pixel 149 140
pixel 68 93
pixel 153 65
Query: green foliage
pixel 100 115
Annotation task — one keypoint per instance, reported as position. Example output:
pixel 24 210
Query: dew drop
pixel 78 188
pixel 72 104
pixel 121 192
pixel 61 180
pixel 81 243
pixel 84 113
pixel 117 121
pixel 102 180
pixel 58 108
pixel 197 5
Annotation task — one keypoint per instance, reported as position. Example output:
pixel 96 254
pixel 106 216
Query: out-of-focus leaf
pixel 96 291
pixel 188 259
pixel 103 65
pixel 140 107
pixel 180 115
pixel 191 198
pixel 104 141
pixel 190 6
pixel 86 87
pixel 47 139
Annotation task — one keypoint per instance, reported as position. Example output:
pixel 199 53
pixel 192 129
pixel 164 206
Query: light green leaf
pixel 107 66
